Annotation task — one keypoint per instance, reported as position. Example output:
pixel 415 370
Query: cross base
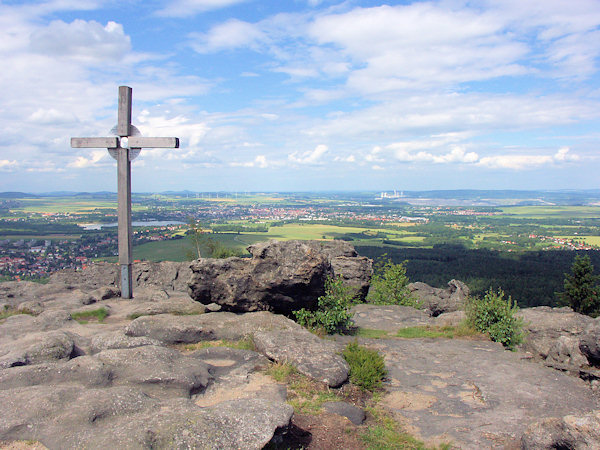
pixel 126 281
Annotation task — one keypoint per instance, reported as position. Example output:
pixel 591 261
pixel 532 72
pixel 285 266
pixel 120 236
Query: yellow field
pixel 590 240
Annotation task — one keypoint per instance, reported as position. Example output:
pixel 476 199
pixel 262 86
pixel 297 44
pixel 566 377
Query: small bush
pixel 389 285
pixel 333 311
pixel 367 367
pixel 495 316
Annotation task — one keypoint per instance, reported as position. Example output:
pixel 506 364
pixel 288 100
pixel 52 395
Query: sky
pixel 304 95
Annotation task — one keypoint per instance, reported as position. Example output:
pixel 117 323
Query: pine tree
pixel 582 291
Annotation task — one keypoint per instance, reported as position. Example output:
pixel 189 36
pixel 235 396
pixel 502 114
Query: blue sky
pixel 302 95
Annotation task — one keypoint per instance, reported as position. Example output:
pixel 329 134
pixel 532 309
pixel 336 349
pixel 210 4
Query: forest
pixel 530 278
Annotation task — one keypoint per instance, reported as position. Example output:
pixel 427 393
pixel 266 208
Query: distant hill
pixel 17 195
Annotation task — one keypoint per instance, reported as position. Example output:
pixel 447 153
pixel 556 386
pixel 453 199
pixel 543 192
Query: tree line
pixel 531 278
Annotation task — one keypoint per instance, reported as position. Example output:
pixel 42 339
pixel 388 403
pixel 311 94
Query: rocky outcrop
pixel 314 357
pixel 165 275
pixel 356 271
pixel 437 301
pixel 589 343
pixel 569 432
pixel 280 277
pixel 564 340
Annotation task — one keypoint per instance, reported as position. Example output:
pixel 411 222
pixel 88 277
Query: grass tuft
pixel 429 331
pixel 386 434
pixel 371 333
pixel 96 315
pixel 10 311
pixel 242 344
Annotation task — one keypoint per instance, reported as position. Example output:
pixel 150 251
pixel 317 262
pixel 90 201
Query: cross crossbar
pixel 95 142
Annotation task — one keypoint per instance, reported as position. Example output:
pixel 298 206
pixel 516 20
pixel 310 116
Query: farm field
pixel 552 212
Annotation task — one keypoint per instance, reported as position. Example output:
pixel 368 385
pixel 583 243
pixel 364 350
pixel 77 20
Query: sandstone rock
pixel 353 413
pixel 356 271
pixel 280 277
pixel 452 319
pixel 178 303
pixel 167 275
pixel 96 276
pixel 34 348
pixel 122 417
pixel 238 374
pixel 118 339
pixel 389 317
pixel 565 353
pixel 312 356
pixel 86 371
pixel 474 394
pixel 544 325
pixel 437 301
pixel 169 329
pixel 172 329
pixel 589 343
pixel 569 432
pixel 158 369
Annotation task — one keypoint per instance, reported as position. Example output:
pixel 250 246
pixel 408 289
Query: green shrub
pixel 333 310
pixel 367 367
pixel 495 316
pixel 389 285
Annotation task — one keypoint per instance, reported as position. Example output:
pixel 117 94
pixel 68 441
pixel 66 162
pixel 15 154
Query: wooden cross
pixel 124 148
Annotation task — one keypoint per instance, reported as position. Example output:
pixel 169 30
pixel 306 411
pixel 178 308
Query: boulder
pixel 589 343
pixel 437 301
pixel 312 356
pixel 569 432
pixel 356 271
pixel 544 326
pixel 169 329
pixel 166 275
pixel 34 348
pixel 281 277
pixel 565 354
pixel 353 413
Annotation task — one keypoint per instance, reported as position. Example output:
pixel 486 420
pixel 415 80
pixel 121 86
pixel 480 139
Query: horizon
pixel 304 96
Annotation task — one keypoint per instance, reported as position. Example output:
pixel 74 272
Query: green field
pixel 553 212
pixel 67 205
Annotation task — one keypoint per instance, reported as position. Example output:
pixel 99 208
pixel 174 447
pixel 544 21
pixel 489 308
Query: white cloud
pixel 516 162
pixel 229 35
pixel 348 159
pixel 52 116
pixel 7 166
pixel 83 162
pixel 87 42
pixel 563 155
pixel 308 157
pixel 186 8
pixel 259 161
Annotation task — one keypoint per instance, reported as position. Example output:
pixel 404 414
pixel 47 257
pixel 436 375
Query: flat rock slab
pixel 172 329
pixel 389 317
pixel 474 394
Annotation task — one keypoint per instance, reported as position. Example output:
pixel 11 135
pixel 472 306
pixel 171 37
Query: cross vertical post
pixel 124 194
pixel 124 148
